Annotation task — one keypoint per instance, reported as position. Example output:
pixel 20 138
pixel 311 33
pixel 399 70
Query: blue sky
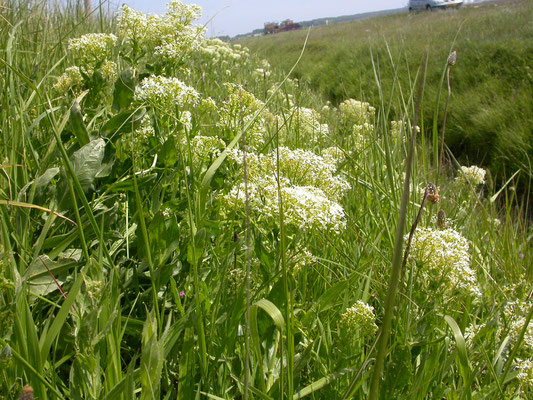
pixel 242 16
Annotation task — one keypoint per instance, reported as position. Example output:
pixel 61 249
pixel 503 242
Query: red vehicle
pixel 274 27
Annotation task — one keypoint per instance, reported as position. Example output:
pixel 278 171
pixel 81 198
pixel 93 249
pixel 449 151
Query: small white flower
pixel 165 93
pixel 356 112
pixel 92 48
pixel 359 318
pixel 445 252
pixel 471 176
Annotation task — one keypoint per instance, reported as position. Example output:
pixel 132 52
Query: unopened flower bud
pixel 441 220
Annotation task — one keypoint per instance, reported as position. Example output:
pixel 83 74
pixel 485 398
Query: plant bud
pixel 441 219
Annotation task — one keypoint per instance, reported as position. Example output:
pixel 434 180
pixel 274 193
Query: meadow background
pixel 181 218
pixel 490 117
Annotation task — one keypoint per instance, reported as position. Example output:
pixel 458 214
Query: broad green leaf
pixel 168 154
pixel 126 184
pixel 87 162
pixel 124 122
pixel 77 125
pixel 465 368
pixel 124 89
pixel 126 385
pixel 38 277
pixel 273 312
pixel 42 181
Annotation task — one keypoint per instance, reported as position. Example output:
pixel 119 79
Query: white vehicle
pixel 433 4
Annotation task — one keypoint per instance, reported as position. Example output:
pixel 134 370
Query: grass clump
pixel 185 221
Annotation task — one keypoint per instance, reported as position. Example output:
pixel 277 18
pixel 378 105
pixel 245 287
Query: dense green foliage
pixel 179 220
pixel 491 109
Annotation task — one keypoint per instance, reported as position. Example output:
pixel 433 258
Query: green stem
pixel 148 251
pixel 248 272
pixel 287 290
pixel 397 254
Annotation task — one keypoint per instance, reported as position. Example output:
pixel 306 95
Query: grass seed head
pixel 27 393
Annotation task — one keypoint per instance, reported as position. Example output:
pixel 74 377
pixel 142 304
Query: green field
pixel 491 109
pixel 181 220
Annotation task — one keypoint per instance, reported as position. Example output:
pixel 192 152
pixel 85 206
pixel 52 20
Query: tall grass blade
pixel 397 255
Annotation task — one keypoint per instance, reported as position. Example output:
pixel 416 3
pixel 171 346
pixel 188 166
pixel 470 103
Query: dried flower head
pixel 432 193
pixel 27 393
pixel 452 58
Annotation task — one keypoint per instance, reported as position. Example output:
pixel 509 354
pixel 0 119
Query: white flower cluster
pixel 471 176
pixel 92 51
pixel 398 130
pixel 281 96
pixel 304 207
pixel 204 148
pixel 133 25
pixel 261 73
pixel 445 252
pixel 309 189
pixel 359 318
pixel 166 94
pixel 334 155
pixel 109 71
pixel 139 140
pixel 237 111
pixel 207 105
pixel 304 125
pixel 92 48
pixel 70 79
pixel 525 372
pixel 515 312
pixel 303 167
pixel 361 135
pixel 223 54
pixel 357 112
pixel 170 37
pixel 300 167
pixel 301 258
pixel 471 332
